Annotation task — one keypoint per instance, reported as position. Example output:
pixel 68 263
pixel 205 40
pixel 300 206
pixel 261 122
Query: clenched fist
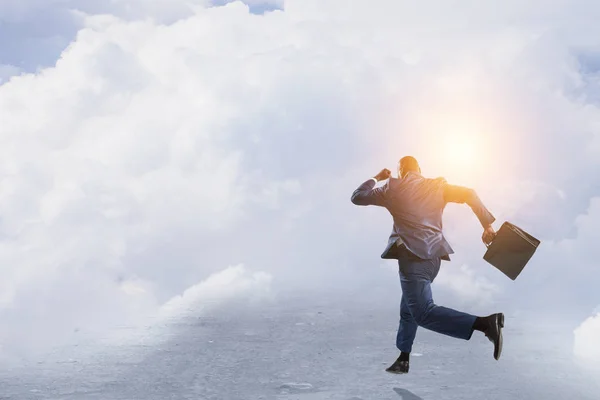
pixel 488 235
pixel 383 175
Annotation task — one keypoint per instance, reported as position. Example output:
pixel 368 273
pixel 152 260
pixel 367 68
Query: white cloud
pixel 577 251
pixel 231 283
pixel 221 291
pixel 33 33
pixel 587 339
pixel 466 286
pixel 277 3
pixel 162 10
pixel 120 148
pixel 6 71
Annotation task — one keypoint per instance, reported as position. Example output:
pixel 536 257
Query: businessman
pixel 416 204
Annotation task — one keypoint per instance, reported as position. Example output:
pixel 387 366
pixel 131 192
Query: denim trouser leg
pixel 407 329
pixel 416 276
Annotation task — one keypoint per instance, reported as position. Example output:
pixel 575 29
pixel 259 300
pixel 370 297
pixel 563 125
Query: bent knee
pixel 421 313
pixel 406 316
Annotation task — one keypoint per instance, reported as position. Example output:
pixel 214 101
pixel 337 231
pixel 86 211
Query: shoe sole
pixel 396 373
pixel 500 322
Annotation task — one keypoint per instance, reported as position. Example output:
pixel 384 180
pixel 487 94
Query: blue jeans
pixel 417 307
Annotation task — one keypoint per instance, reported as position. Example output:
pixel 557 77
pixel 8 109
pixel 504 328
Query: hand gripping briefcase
pixel 511 250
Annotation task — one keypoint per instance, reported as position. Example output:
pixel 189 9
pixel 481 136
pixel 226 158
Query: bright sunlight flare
pixel 458 129
pixel 459 149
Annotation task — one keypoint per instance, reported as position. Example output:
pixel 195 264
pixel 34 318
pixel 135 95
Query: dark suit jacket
pixel 416 205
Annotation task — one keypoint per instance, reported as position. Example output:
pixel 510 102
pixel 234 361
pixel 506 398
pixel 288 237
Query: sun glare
pixel 463 143
pixel 459 150
pixel 459 155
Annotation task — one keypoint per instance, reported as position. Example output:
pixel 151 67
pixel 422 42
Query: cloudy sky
pixel 153 150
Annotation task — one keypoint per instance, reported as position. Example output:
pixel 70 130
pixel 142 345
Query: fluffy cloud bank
pixel 231 283
pixel 33 33
pixel 587 339
pixel 467 286
pixel 154 153
pixel 116 166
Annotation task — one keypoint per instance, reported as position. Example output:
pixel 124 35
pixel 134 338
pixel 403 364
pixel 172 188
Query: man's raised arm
pixel 366 194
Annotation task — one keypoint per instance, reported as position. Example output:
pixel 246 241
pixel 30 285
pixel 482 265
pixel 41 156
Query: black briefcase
pixel 511 250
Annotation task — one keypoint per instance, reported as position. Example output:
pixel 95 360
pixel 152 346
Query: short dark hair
pixel 408 163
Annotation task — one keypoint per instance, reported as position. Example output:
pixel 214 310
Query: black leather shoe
pixel 398 367
pixel 493 332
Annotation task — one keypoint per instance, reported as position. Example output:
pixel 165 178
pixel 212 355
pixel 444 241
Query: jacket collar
pixel 409 173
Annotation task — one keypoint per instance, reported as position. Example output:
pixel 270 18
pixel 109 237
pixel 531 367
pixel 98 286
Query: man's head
pixel 406 165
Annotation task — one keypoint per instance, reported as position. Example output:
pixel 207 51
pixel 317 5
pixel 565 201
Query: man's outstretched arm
pixel 460 194
pixel 366 194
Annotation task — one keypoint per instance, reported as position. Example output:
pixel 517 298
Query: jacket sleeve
pixel 460 194
pixel 367 195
